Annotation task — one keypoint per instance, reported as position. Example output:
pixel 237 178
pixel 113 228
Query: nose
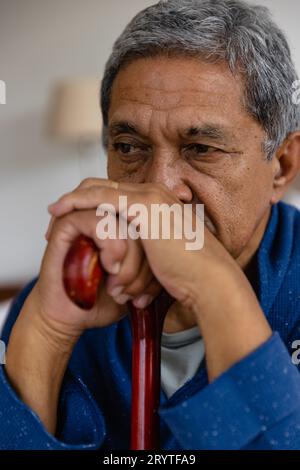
pixel 168 169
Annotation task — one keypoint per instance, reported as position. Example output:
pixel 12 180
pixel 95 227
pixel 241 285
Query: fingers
pixel 82 198
pixel 86 196
pixel 92 191
pixel 86 183
pixel 50 225
pixel 66 229
pixel 150 292
pixel 135 280
pixel 141 281
pixel 129 274
pixel 112 255
pixel 124 286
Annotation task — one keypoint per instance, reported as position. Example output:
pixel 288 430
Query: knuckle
pixel 68 219
pixel 61 225
pixel 87 182
pixel 95 192
pixel 65 197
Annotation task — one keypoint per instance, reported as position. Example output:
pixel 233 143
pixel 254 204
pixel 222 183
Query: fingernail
pixel 142 301
pixel 122 299
pixel 116 291
pixel 115 268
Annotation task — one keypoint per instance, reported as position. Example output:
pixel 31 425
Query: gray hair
pixel 217 30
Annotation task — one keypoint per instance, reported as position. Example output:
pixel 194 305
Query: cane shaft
pixel 82 274
pixel 146 345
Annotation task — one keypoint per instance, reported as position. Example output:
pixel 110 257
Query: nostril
pixel 184 193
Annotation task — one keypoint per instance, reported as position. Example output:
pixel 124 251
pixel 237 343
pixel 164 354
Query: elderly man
pixel 197 103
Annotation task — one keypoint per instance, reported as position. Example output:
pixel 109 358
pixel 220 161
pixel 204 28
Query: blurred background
pixel 52 56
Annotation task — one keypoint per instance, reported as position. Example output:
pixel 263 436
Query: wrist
pixel 33 339
pixel 36 360
pixel 58 337
pixel 224 287
pixel 230 318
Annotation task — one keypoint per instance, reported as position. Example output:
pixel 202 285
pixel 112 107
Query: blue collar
pixel 270 265
pixel 274 254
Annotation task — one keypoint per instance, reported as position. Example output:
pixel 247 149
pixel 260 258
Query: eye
pixel 200 149
pixel 124 148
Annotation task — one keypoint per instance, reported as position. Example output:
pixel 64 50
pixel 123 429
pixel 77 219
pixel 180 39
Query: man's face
pixel 181 122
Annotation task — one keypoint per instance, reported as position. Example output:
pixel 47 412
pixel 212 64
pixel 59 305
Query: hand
pixel 128 277
pixel 207 282
pixel 49 324
pixel 161 253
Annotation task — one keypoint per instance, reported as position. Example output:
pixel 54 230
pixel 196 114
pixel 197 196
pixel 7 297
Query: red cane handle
pixel 82 274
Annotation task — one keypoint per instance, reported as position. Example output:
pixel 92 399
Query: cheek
pixel 250 187
pixel 244 187
pixel 236 200
pixel 112 171
pixel 120 171
pixel 115 170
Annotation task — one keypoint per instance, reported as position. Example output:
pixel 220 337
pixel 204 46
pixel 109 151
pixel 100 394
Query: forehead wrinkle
pixel 125 89
pixel 183 121
pixel 164 98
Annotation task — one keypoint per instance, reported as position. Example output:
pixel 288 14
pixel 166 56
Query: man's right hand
pixel 50 324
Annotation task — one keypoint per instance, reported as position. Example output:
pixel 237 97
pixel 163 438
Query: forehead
pixel 178 89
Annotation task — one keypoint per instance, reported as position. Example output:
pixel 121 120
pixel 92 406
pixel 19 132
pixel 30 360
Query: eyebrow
pixel 123 127
pixel 208 131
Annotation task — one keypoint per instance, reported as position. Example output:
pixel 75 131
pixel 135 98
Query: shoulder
pixel 287 265
pixel 289 215
pixel 15 309
pixel 289 230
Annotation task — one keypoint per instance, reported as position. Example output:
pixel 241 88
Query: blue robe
pixel 253 405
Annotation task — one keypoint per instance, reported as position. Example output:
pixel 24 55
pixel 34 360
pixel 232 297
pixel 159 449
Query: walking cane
pixel 82 275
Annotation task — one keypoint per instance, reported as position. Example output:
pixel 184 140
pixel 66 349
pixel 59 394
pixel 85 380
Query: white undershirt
pixel 181 356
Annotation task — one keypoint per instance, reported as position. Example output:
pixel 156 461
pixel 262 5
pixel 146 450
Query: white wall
pixel 41 42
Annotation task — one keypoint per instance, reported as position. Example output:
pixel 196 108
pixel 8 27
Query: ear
pixel 286 164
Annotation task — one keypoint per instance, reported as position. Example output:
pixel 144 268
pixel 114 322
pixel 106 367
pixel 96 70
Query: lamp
pixel 75 118
pixel 75 111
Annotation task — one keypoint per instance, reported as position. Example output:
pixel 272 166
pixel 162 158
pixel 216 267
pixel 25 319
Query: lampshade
pixel 75 114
